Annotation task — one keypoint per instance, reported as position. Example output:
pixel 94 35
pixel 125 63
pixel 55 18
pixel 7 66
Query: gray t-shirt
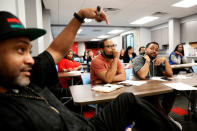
pixel 153 70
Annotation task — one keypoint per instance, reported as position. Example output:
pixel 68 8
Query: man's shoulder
pixel 97 58
pixel 139 58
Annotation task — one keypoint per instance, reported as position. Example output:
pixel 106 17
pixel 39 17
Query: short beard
pixel 22 82
pixel 152 58
pixel 108 56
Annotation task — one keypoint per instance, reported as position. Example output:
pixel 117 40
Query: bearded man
pixel 106 67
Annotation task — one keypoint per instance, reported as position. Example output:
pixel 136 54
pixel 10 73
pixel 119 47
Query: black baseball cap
pixel 11 26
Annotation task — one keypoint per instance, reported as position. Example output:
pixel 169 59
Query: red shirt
pixel 99 64
pixel 66 64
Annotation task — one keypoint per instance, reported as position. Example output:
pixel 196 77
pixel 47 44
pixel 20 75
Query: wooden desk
pixel 188 65
pixel 83 95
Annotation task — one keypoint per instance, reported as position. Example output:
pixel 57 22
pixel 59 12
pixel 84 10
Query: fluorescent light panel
pixel 144 20
pixel 115 31
pixel 185 3
pixel 95 39
pixel 88 20
pixel 103 36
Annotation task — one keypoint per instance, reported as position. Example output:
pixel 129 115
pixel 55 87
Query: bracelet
pixel 78 18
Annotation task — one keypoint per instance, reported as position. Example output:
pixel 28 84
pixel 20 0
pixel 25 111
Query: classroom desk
pixel 188 65
pixel 69 75
pixel 83 95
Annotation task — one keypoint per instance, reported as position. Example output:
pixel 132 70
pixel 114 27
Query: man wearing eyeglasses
pixel 106 67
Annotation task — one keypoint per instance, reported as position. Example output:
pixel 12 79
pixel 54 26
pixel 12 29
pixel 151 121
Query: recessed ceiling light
pixel 95 39
pixel 103 36
pixel 88 20
pixel 144 20
pixel 115 31
pixel 185 3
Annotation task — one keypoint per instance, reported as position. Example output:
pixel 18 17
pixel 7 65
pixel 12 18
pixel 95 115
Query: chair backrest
pixel 129 72
pixel 56 67
pixel 85 78
pixel 194 68
pixel 77 59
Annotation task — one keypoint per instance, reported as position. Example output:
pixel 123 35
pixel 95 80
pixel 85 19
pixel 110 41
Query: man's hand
pixel 116 54
pixel 159 60
pixel 147 58
pixel 91 13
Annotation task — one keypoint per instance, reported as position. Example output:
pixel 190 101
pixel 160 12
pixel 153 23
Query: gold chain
pixel 37 97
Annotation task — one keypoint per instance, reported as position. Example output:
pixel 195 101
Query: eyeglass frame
pixel 111 46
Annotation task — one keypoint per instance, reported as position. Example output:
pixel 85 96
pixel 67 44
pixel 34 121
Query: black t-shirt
pixel 19 112
pixel 44 73
pixel 30 114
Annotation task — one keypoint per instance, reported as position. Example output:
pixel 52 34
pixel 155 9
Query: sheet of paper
pixel 182 77
pixel 132 82
pixel 74 72
pixel 180 86
pixel 157 78
pixel 106 87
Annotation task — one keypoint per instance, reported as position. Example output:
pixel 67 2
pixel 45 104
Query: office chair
pixel 194 68
pixel 85 78
pixel 129 72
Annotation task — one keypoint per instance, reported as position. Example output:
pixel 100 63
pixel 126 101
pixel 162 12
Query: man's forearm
pixel 112 71
pixel 64 40
pixel 143 72
pixel 119 77
pixel 168 69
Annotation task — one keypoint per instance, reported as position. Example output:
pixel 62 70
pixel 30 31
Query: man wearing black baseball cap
pixel 26 103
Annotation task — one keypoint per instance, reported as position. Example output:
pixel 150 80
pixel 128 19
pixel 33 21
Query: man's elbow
pixel 141 76
pixel 108 81
pixel 170 74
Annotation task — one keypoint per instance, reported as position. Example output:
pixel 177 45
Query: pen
pixel 98 10
pixel 130 126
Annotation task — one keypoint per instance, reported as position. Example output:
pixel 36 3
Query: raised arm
pixel 65 39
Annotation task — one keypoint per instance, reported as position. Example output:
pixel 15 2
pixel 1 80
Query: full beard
pixel 108 56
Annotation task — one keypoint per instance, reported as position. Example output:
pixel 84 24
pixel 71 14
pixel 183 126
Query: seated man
pixel 149 65
pixel 142 50
pixel 28 104
pixel 106 67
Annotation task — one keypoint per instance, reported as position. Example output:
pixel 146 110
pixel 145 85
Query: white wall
pixel 189 29
pixel 145 36
pixel 81 48
pixel 8 6
pixel 160 34
pixel 16 7
pixel 117 40
pixel 48 38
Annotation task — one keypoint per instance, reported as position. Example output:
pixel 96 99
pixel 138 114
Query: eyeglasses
pixel 110 46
